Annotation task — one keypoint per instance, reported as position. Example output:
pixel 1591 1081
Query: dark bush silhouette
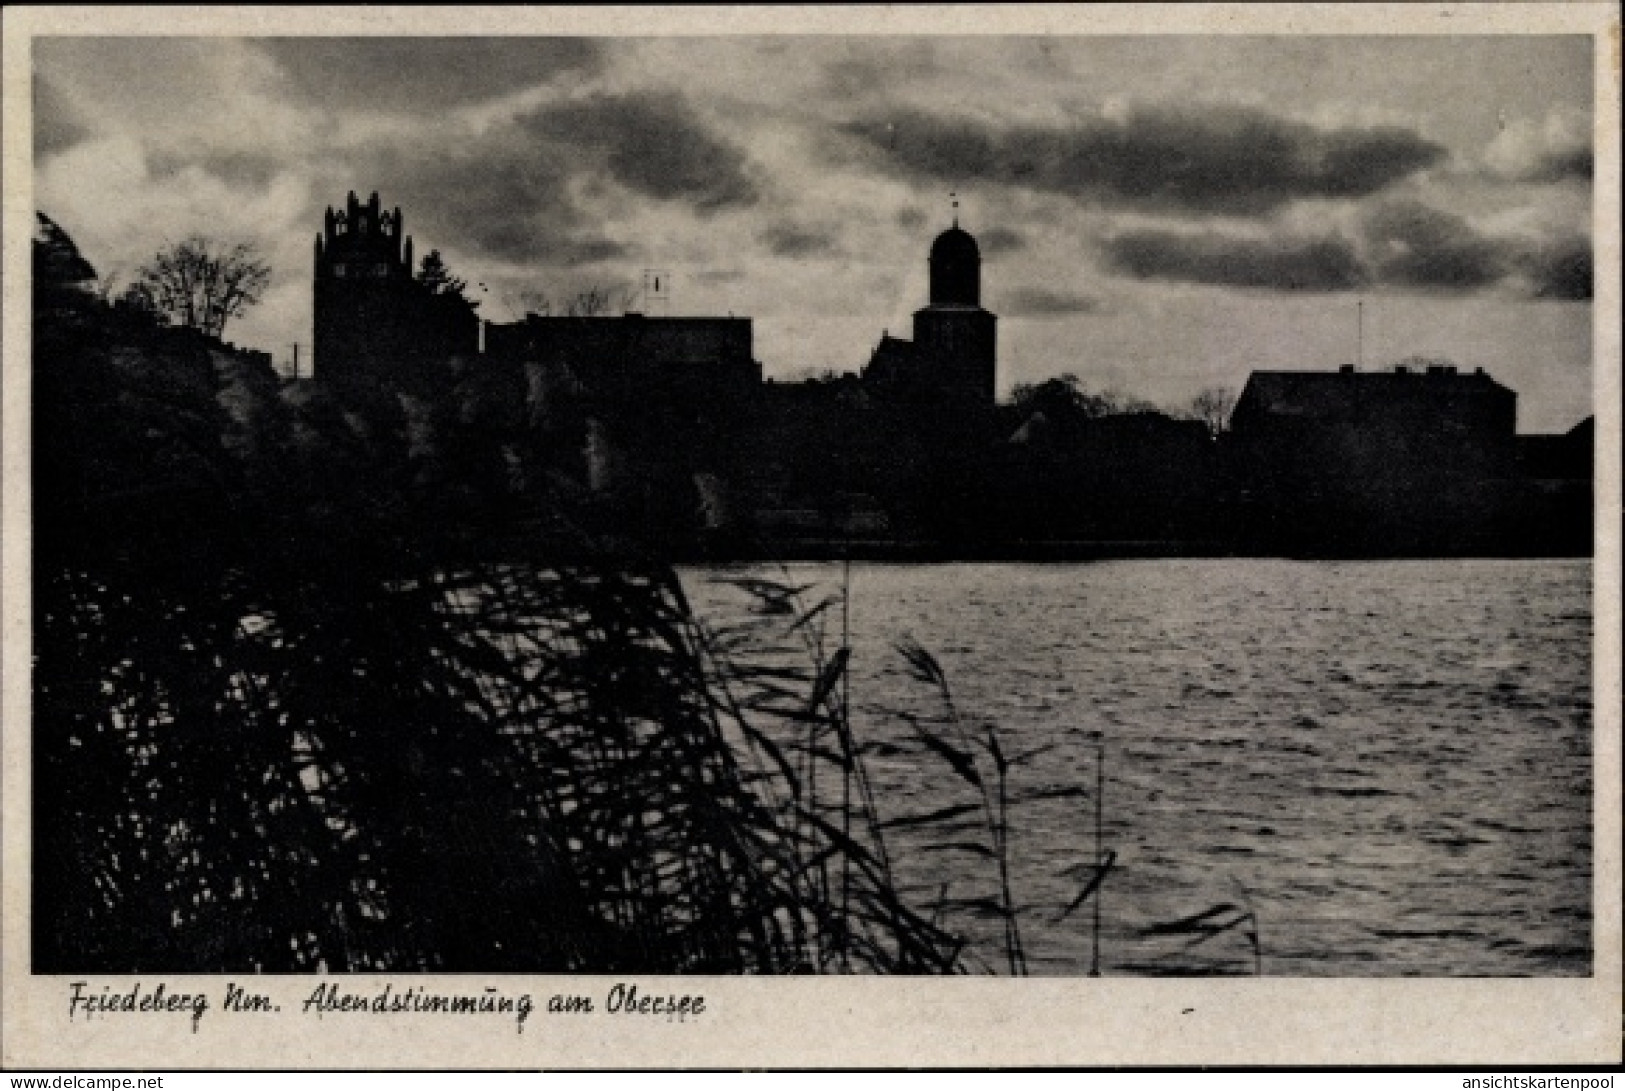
pixel 292 712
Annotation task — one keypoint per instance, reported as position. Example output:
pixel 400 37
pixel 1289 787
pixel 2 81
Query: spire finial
pixel 954 197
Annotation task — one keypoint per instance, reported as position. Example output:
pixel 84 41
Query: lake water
pixel 1388 764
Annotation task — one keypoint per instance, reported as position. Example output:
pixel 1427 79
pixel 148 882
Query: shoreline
pixel 1055 552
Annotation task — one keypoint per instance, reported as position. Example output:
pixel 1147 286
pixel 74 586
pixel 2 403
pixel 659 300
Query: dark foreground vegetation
pixel 292 713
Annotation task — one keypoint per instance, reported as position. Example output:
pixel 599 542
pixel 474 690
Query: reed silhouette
pixel 293 711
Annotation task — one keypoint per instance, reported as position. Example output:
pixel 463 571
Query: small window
pixel 381 269
pixel 338 270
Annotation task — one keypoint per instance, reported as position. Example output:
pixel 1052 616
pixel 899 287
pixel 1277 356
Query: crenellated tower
pixel 363 241
pixel 373 320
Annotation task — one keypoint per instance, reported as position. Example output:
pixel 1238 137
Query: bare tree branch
pixel 202 284
pixel 1213 407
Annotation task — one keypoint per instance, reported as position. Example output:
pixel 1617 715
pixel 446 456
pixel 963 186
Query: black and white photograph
pixel 652 506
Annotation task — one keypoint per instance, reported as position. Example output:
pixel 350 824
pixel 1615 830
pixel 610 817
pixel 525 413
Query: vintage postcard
pixel 547 537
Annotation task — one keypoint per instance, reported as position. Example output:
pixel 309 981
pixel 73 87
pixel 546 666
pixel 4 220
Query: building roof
pixel 955 243
pixel 1335 394
pixel 891 360
pixel 631 320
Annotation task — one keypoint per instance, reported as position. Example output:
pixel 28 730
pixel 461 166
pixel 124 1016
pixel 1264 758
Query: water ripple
pixel 1389 761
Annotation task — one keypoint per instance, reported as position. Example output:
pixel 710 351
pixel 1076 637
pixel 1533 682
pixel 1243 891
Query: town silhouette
pixel 680 445
pixel 861 614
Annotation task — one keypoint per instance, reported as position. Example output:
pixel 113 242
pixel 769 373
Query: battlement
pixel 363 240
pixel 372 316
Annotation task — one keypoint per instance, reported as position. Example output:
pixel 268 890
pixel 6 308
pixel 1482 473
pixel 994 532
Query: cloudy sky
pixel 1157 215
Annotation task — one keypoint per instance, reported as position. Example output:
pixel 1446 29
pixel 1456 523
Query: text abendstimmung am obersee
pixel 329 998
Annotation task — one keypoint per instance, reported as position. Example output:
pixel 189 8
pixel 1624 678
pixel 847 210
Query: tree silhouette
pixel 201 283
pixel 1065 400
pixel 1213 407
pixel 435 275
pixel 57 261
pixel 598 301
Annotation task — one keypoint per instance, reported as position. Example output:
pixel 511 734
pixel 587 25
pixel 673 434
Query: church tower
pixel 956 269
pixel 362 289
pixel 372 319
pixel 363 242
pixel 957 338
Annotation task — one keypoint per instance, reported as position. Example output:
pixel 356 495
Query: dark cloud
pixel 1308 265
pixel 1414 246
pixel 511 191
pixel 910 218
pixel 585 251
pixel 867 74
pixel 403 75
pixel 1215 159
pixel 1001 240
pixel 56 124
pixel 651 143
pixel 1402 244
pixel 1559 151
pixel 495 198
pixel 1558 165
pixel 790 241
pixel 854 77
pixel 1047 303
pixel 1561 270
pixel 240 170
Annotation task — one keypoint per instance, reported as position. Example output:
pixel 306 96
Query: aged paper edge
pixel 828 1022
